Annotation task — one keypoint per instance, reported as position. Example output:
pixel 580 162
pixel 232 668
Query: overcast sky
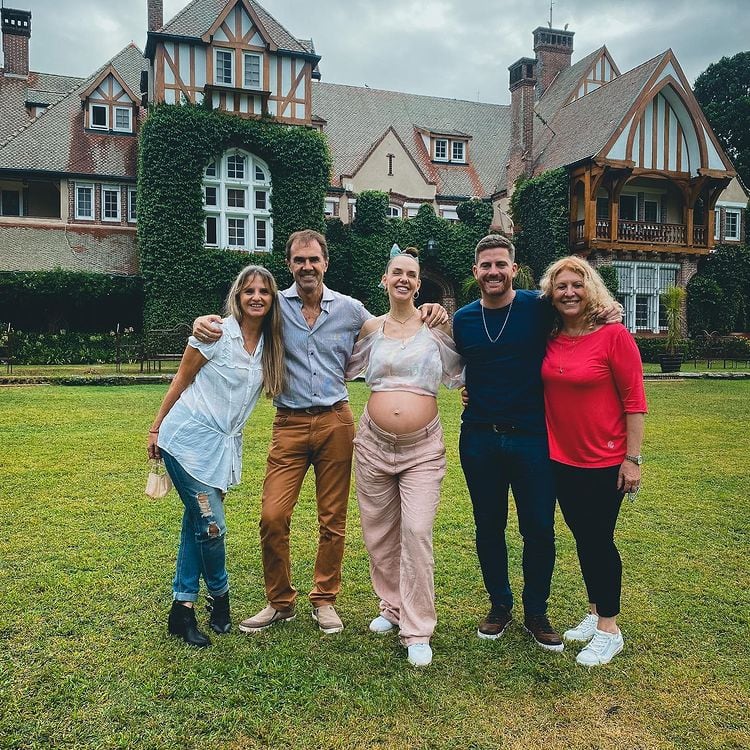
pixel 451 48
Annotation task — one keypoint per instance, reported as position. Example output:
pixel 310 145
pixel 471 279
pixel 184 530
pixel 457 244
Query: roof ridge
pixel 406 93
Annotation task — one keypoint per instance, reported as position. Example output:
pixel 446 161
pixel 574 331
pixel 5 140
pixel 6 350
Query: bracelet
pixel 154 432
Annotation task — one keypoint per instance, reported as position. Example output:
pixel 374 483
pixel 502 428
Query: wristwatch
pixel 638 460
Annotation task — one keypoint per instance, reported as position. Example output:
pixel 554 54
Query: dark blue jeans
pixel 493 462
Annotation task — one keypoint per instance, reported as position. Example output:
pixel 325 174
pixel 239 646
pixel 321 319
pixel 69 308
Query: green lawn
pixel 85 572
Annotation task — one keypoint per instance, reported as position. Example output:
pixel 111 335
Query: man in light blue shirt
pixel 314 426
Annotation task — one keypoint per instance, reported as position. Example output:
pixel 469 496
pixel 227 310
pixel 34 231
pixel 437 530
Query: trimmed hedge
pixel 716 347
pixel 51 300
pixel 71 348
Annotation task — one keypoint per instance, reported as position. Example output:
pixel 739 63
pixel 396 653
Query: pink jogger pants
pixel 398 488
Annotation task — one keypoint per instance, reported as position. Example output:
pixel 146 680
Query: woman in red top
pixel 595 406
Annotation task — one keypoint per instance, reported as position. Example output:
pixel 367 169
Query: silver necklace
pixel 507 318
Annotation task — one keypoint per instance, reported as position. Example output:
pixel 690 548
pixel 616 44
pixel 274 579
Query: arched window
pixel 237 202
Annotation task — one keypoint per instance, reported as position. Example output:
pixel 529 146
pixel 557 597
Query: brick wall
pixel 155 14
pixel 16 53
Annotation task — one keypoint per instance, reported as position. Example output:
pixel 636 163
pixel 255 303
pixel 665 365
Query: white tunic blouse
pixel 203 430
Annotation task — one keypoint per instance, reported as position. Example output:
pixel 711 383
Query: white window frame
pixel 132 205
pixel 394 211
pixel 222 212
pixel 245 84
pixel 446 145
pixel 458 159
pixel 129 111
pixel 84 186
pixel 352 208
pixel 737 214
pixel 717 223
pixel 411 210
pixel 111 189
pixel 105 107
pixel 329 207
pixel 629 290
pixel 229 52
pixel 449 213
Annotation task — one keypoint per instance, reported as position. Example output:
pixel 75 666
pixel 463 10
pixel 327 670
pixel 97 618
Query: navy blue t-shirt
pixel 504 379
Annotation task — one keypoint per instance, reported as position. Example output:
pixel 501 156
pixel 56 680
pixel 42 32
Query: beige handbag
pixel 158 482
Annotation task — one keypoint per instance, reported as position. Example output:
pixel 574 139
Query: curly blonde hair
pixel 598 297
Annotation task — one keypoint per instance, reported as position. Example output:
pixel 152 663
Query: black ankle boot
pixel 218 606
pixel 182 622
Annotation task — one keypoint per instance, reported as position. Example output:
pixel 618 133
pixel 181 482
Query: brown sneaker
pixel 266 618
pixel 543 633
pixel 496 622
pixel 328 621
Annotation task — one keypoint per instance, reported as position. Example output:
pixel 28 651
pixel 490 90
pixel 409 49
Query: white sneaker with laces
pixel 420 654
pixel 601 648
pixel 381 625
pixel 584 631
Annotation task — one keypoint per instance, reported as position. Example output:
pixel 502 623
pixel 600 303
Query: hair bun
pixel 411 250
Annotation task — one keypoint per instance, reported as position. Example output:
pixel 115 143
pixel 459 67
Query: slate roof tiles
pixel 357 117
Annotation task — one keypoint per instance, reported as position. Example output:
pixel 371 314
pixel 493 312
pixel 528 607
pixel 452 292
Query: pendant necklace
pixel 402 323
pixel 484 320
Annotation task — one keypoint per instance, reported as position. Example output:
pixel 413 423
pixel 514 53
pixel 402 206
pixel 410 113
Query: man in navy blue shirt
pixel 503 440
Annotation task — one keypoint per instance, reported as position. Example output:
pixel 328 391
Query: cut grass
pixel 85 572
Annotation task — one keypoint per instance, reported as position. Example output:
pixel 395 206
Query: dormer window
pixel 123 119
pixel 449 150
pixel 224 65
pixel 441 149
pixel 252 70
pixel 99 116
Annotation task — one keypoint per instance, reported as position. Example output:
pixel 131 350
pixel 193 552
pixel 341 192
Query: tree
pixel 723 91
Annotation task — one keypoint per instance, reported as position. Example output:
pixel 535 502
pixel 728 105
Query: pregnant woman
pixel 400 455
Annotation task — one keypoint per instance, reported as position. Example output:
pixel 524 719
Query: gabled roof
pixel 197 18
pixel 57 142
pixel 108 70
pixel 356 118
pixel 583 127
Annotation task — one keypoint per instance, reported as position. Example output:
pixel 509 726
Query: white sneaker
pixel 584 631
pixel 600 650
pixel 420 654
pixel 381 625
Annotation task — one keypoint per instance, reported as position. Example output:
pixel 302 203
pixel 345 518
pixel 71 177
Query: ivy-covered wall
pixel 360 251
pixel 539 208
pixel 182 278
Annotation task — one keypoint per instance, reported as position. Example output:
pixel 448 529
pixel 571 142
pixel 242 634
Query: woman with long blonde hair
pixel 197 431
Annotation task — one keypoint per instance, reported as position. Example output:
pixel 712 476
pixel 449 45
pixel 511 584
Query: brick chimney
pixel 553 49
pixel 155 14
pixel 522 85
pixel 16 27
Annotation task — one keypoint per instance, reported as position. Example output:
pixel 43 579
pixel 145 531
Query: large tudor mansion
pixel 650 188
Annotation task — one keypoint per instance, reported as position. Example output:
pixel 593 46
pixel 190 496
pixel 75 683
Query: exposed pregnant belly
pixel 401 412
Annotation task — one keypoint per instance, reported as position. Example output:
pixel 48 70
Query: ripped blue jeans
pixel 202 539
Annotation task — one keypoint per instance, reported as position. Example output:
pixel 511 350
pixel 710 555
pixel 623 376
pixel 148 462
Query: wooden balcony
pixel 641 233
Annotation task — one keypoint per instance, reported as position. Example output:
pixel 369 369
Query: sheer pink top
pixel 416 365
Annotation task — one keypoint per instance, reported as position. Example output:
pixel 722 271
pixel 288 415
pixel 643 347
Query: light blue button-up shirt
pixel 316 357
pixel 203 430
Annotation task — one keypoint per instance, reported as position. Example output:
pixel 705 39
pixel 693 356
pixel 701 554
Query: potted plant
pixel 673 300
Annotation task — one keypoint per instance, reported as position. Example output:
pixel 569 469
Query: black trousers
pixel 590 503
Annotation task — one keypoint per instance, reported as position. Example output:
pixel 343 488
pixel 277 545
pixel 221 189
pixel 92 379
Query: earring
pixel 416 294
